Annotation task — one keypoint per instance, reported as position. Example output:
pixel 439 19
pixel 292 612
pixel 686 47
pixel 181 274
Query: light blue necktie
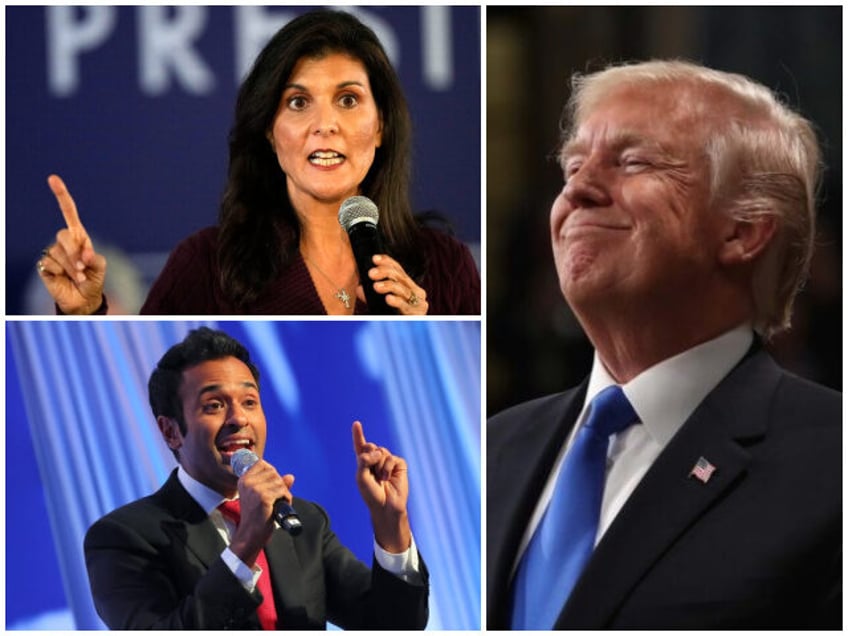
pixel 565 537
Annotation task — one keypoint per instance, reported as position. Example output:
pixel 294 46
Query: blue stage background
pixel 132 106
pixel 80 441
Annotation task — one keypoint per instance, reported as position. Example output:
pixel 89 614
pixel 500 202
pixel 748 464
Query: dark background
pixel 534 344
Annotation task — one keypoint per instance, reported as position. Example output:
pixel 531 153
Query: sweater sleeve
pixel 452 281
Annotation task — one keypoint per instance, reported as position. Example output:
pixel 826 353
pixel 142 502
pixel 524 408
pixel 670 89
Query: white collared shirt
pixel 404 565
pixel 663 397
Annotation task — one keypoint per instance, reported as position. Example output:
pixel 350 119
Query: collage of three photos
pixel 456 318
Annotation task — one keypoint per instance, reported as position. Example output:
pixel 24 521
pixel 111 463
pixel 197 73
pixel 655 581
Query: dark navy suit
pixel 759 545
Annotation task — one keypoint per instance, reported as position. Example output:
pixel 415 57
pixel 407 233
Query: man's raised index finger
pixel 358 437
pixel 66 202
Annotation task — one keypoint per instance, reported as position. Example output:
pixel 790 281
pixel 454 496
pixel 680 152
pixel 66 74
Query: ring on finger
pixel 413 299
pixel 40 266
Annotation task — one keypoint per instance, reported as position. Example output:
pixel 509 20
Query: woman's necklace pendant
pixel 343 296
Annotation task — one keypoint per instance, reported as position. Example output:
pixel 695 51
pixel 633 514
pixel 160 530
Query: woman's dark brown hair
pixel 259 230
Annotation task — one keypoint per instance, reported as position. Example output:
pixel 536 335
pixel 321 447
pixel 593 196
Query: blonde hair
pixel 764 160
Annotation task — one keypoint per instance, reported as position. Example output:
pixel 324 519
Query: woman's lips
pixel 326 158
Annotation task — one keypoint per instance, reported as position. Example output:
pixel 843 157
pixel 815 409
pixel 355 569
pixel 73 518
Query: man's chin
pixel 581 284
pixel 589 292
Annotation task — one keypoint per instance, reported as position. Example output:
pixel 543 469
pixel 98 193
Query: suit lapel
pixel 191 528
pixel 517 473
pixel 667 501
pixel 190 525
pixel 286 575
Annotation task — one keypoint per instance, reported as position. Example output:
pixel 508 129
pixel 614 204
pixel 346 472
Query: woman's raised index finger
pixel 66 202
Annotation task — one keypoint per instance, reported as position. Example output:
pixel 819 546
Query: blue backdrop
pixel 81 441
pixel 132 107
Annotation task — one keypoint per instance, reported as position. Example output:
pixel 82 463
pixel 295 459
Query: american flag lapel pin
pixel 702 470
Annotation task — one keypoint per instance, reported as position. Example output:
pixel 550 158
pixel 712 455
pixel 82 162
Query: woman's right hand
pixel 70 269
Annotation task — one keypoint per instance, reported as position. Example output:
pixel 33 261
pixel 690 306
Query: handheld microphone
pixel 284 514
pixel 358 215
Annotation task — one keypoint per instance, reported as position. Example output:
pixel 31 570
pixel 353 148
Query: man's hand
pixel 383 484
pixel 259 488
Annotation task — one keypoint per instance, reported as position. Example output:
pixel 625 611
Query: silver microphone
pixel 358 216
pixel 284 514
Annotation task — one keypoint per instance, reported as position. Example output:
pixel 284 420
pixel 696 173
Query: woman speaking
pixel 320 118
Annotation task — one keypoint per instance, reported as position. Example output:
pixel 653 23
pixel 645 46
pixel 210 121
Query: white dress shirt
pixel 663 397
pixel 404 565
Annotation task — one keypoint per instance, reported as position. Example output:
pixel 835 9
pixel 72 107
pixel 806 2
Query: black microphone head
pixel 241 460
pixel 357 209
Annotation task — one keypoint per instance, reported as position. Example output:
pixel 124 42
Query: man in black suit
pixel 174 560
pixel 682 234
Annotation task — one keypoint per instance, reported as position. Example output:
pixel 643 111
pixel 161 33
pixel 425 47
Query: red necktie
pixel 266 612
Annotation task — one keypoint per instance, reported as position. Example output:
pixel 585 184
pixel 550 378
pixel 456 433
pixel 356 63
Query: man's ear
pixel 170 429
pixel 744 241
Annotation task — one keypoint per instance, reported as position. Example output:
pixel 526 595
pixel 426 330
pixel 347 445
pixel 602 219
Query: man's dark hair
pixel 199 345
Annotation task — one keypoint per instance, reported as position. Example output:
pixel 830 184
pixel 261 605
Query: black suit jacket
pixel 757 546
pixel 155 564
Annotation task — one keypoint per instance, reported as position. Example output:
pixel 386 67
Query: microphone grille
pixel 241 460
pixel 356 209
